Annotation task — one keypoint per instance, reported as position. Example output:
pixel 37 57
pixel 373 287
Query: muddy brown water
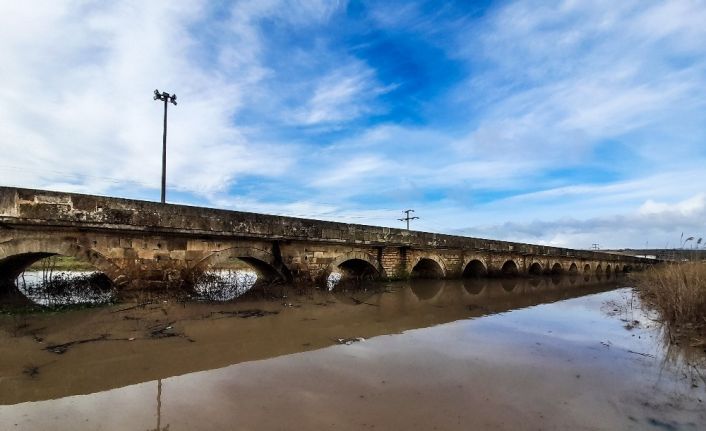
pixel 545 353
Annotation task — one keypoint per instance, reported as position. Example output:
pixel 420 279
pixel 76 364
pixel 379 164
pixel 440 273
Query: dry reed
pixel 677 291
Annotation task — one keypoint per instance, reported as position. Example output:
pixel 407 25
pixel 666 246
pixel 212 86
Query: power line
pixel 407 218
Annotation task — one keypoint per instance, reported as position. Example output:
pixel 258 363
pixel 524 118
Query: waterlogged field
pixel 541 353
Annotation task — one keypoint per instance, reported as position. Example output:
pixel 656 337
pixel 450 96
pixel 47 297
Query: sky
pixel 567 123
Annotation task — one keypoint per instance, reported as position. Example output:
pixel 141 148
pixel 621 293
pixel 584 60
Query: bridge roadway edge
pixel 154 244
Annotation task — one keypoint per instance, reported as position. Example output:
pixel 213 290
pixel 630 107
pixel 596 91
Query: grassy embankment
pixel 678 292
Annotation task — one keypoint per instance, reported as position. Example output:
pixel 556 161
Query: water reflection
pixel 425 289
pixel 208 335
pixel 458 376
pixel 474 286
pixel 58 288
pixel 508 284
pixel 224 284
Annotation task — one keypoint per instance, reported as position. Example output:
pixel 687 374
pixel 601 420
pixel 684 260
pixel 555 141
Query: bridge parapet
pixel 46 208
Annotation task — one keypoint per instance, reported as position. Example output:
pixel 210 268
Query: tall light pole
pixel 408 218
pixel 166 98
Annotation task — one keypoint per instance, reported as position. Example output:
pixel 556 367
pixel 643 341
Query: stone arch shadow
pixel 535 268
pixel 432 266
pixel 16 255
pixel 355 264
pixel 509 268
pixel 265 264
pixel 474 267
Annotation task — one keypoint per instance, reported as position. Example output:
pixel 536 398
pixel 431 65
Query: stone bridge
pixel 140 244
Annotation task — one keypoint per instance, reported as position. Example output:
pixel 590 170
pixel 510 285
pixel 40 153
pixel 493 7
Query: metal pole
pixel 166 98
pixel 164 154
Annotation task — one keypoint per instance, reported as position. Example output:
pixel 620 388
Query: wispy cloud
pixel 560 122
pixel 343 95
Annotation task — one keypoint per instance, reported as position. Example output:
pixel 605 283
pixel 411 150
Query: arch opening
pixel 586 268
pixel 557 269
pixel 607 269
pixel 428 269
pixel 239 271
pixel 536 269
pixel 475 269
pixel 509 269
pixel 573 269
pixel 52 279
pixel 599 269
pixel 351 272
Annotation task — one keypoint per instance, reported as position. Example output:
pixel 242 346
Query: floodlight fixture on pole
pixel 407 218
pixel 166 98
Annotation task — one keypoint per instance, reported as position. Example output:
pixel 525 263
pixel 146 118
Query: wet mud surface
pixel 485 354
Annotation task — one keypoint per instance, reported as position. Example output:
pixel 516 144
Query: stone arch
pixel 265 264
pixel 428 267
pixel 509 268
pixel 16 255
pixel 587 268
pixel 536 269
pixel 573 269
pixel 599 269
pixel 557 268
pixel 357 264
pixel 475 268
pixel 607 269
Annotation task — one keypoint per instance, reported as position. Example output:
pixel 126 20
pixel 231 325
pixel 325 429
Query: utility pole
pixel 166 98
pixel 408 218
pixel 595 246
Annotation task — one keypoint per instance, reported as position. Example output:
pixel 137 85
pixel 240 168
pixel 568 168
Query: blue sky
pixel 563 122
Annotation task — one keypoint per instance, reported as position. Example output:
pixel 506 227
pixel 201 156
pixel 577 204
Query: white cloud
pixel 344 94
pixel 565 87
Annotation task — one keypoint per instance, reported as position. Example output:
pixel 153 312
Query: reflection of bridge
pixel 145 244
pixel 316 323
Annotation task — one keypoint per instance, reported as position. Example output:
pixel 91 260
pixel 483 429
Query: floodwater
pixel 522 354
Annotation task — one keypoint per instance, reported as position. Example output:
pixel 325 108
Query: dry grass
pixel 677 291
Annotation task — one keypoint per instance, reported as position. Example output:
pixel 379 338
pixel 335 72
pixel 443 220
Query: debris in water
pixel 632 325
pixel 31 371
pixel 349 341
pixel 60 349
pixel 157 332
pixel 245 314
pixel 642 354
